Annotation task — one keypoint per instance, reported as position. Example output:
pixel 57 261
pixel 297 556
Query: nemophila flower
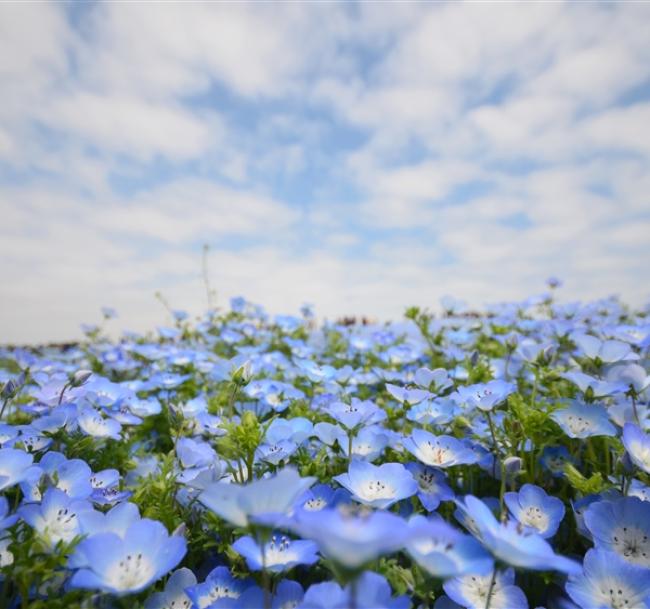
pixel 584 420
pixel 295 429
pixel 608 582
pixel 445 552
pixel 56 518
pixel 92 423
pixel 479 592
pixel 637 445
pixel 433 412
pixel 106 488
pixel 277 452
pixel 69 475
pixel 605 351
pixel 407 396
pixel 371 591
pixel 638 489
pixel 271 497
pixel 218 585
pixel 117 520
pixel 357 412
pixel 554 459
pixel 630 374
pixel 7 434
pixel 102 392
pixel 621 526
pixel 597 387
pixel 368 444
pixel 432 485
pixel 485 396
pixel 32 439
pixel 320 497
pixel 532 507
pixel 194 453
pixel 623 410
pixel 15 467
pixel 6 519
pixel 278 554
pixel 351 538
pixel 436 381
pixel 288 595
pixel 510 542
pixel 129 564
pixel 438 451
pixel 378 486
pixel 174 595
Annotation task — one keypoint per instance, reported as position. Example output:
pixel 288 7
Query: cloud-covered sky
pixel 361 157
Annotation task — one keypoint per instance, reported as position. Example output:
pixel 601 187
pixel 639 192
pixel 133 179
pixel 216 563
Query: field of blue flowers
pixel 493 460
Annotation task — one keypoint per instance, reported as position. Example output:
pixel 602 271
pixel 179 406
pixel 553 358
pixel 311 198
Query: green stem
pixel 491 588
pixel 4 405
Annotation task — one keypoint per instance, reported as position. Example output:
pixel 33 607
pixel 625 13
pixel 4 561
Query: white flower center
pixel 616 594
pixel 375 489
pixel 535 517
pixel 577 424
pixel 633 544
pixel 278 552
pixel 314 505
pixel 435 454
pixel 61 526
pixel 133 571
pixel 476 589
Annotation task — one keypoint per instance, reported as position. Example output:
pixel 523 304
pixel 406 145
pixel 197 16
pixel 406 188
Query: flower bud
pixel 80 377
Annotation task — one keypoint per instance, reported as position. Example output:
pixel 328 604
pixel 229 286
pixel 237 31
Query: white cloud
pixel 347 131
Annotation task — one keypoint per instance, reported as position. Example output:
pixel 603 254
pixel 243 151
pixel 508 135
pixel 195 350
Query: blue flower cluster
pixel 494 460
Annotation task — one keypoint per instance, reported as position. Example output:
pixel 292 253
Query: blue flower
pixel 532 507
pixel 436 412
pixel 584 420
pixel 174 595
pixel 378 486
pixel 608 582
pixel 358 412
pixel 597 387
pixel 15 467
pixel 407 396
pixel 621 526
pixel 438 451
pixel 371 591
pixel 320 497
pixel 485 396
pixel 445 552
pixel 129 564
pixel 6 519
pixel 432 485
pixel 288 595
pixel 117 520
pixel 637 445
pixel 70 475
pixel 276 452
pixel 278 554
pixel 218 585
pixel 271 498
pixel 605 351
pixel 437 381
pixel 56 518
pixel 473 591
pixel 92 423
pixel 352 539
pixel 554 458
pixel 368 444
pixel 510 542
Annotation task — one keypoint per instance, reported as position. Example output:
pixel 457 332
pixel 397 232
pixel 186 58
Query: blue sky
pixel 361 157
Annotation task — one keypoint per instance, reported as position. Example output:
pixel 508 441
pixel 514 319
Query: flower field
pixel 492 460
